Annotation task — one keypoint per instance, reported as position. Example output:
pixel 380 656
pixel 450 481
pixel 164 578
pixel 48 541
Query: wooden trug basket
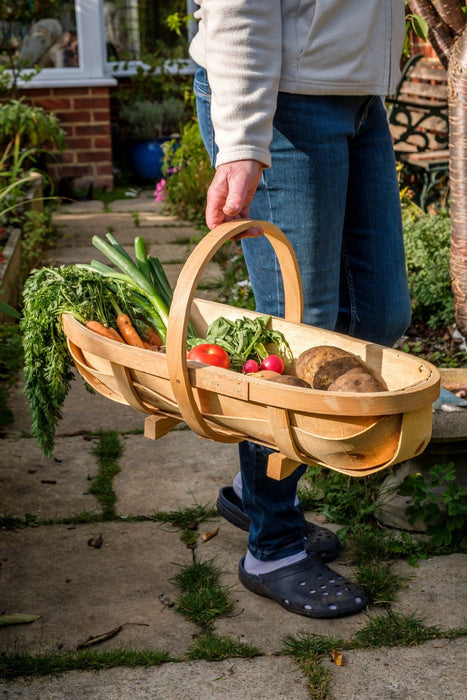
pixel 356 434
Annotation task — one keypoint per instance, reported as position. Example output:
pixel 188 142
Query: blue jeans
pixel 332 189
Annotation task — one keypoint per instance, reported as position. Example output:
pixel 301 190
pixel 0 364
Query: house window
pixel 40 34
pixel 86 42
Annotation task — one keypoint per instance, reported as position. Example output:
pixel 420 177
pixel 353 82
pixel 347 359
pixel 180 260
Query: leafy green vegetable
pixel 48 367
pixel 138 275
pixel 245 339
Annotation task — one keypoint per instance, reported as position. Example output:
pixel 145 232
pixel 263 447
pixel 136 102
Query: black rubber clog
pixel 308 588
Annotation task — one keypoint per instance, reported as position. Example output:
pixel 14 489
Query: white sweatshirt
pixel 252 49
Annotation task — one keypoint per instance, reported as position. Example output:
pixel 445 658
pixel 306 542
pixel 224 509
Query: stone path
pixel 79 590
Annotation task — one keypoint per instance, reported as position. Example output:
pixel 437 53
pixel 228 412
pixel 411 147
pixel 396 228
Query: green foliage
pixel 211 647
pixel 48 367
pixel 186 517
pixel 26 132
pixel 308 650
pixel 17 665
pixel 380 581
pixel 341 498
pixel 189 174
pixel 368 544
pixel 38 235
pixel 32 126
pixel 394 630
pixel 11 357
pixel 427 242
pixel 153 120
pixel 108 451
pixel 5 308
pixel 440 503
pixel 202 598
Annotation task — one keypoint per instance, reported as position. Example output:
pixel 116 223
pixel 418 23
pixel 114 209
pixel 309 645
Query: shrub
pixel 427 242
pixel 189 174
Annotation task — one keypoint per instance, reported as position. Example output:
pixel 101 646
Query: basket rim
pixel 251 388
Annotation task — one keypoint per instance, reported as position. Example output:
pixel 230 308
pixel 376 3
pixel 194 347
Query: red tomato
pixel 250 366
pixel 210 354
pixel 274 363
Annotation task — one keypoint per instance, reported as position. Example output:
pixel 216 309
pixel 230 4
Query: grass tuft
pixel 392 629
pixel 43 664
pixel 187 518
pixel 380 581
pixel 202 598
pixel 307 650
pixel 210 647
pixel 107 451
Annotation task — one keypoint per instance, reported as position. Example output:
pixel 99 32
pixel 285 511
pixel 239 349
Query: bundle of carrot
pixel 150 290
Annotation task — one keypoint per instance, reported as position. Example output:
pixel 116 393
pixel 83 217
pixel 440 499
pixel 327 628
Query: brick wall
pixel 84 113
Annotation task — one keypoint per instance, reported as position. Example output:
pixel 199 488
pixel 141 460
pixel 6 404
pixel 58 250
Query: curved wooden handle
pixel 181 306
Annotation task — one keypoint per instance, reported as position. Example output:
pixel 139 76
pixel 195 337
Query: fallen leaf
pixel 163 598
pixel 440 644
pixel 336 656
pixel 321 519
pixel 96 541
pixel 90 641
pixel 206 536
pixel 99 638
pixel 17 619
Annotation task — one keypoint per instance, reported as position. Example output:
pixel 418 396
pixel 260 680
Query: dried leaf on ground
pixel 337 657
pixel 17 619
pixel 96 542
pixel 90 641
pixel 206 536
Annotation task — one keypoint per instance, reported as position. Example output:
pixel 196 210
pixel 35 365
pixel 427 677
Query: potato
pixel 322 365
pixel 290 380
pixel 358 381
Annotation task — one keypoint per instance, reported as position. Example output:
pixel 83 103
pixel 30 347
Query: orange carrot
pixel 106 331
pixel 148 346
pixel 128 331
pixel 153 337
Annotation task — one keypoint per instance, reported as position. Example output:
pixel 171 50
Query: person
pixel 290 104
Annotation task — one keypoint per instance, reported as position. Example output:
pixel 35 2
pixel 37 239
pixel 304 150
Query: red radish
pixel 250 366
pixel 274 363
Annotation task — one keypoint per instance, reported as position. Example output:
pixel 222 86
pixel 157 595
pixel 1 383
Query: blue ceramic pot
pixel 146 158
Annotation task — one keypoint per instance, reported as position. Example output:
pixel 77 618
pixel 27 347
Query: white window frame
pixel 94 69
pixel 92 53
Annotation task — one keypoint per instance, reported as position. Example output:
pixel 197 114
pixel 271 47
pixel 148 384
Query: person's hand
pixel 231 192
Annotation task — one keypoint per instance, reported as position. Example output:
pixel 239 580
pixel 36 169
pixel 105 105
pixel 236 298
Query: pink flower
pixel 160 193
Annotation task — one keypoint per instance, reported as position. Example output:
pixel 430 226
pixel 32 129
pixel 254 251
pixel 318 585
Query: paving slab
pixel 46 487
pixel 235 679
pixel 436 591
pixel 81 591
pixel 79 207
pixel 430 671
pixel 141 204
pixel 76 231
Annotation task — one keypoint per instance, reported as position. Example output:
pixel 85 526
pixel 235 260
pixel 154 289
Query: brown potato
pixel 322 365
pixel 358 381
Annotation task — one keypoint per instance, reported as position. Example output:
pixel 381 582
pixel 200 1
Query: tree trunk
pixel 457 95
pixel 448 34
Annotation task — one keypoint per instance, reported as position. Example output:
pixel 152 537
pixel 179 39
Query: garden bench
pixel 418 117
